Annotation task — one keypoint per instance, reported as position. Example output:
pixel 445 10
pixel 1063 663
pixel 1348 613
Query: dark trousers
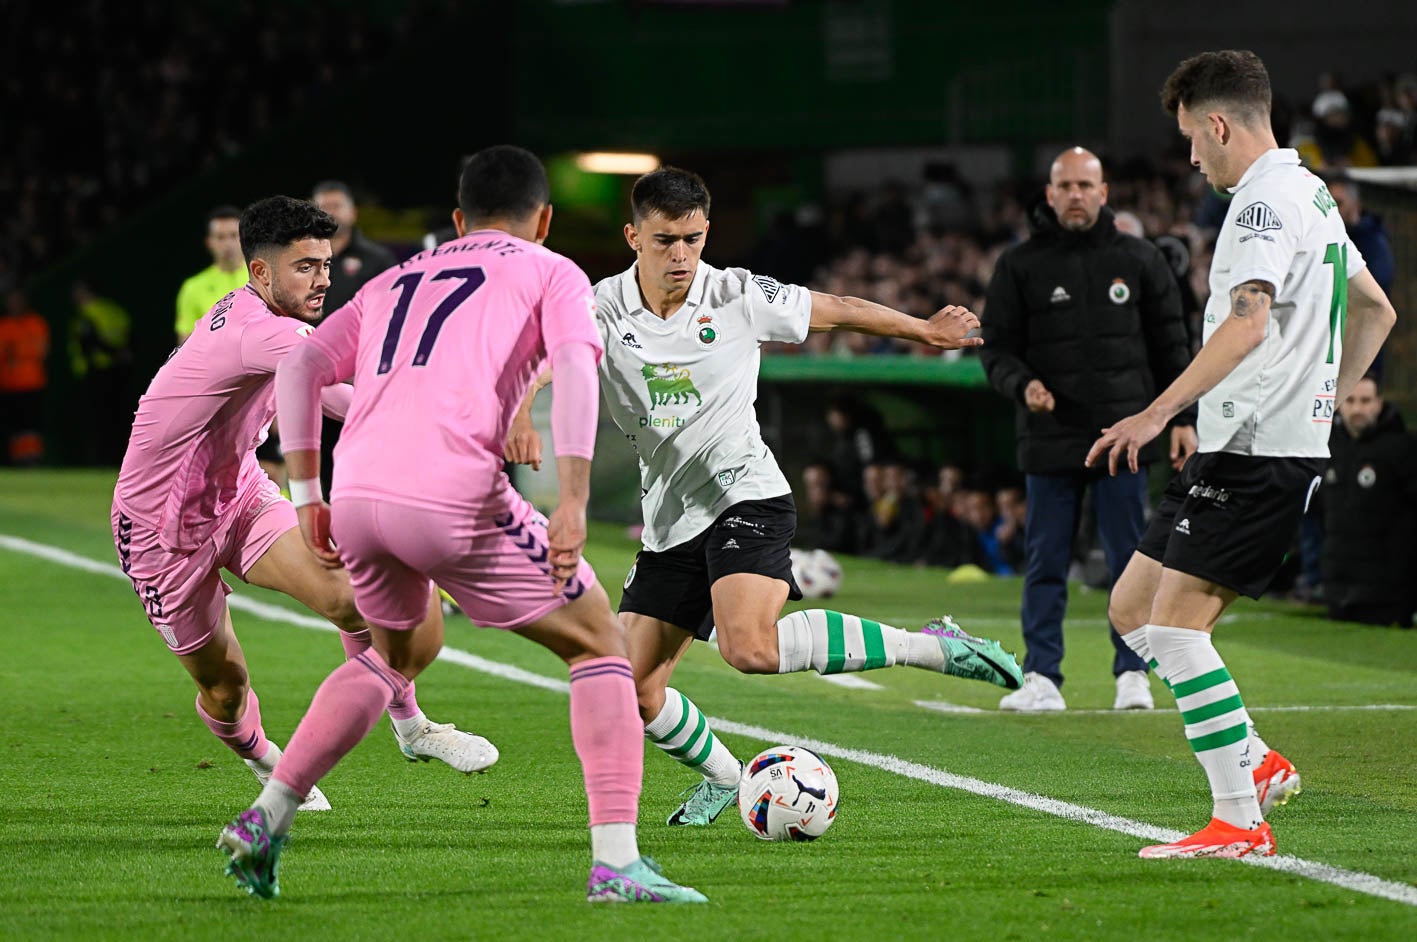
pixel 1054 505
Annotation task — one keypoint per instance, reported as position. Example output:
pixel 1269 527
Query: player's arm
pixel 523 445
pixel 575 406
pixel 948 329
pixel 301 376
pixel 1370 318
pixel 1232 341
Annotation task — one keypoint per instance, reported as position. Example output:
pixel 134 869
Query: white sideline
pixel 1353 880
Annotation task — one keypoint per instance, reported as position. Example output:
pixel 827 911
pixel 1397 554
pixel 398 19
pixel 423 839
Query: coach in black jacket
pixel 1370 513
pixel 1082 327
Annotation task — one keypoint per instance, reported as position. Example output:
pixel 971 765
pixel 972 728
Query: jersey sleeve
pixel 568 310
pixel 776 311
pixel 1356 261
pixel 305 380
pixel 265 342
pixel 1267 237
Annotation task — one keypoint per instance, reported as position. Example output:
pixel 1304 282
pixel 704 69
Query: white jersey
pixel 1282 227
pixel 682 390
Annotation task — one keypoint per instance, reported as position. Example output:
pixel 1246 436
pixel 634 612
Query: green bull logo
pixel 669 385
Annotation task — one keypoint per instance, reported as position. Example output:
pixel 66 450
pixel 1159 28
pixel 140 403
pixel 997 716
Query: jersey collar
pixel 1270 158
pixel 634 302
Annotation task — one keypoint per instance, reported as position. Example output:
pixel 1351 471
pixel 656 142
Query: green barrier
pixel 893 369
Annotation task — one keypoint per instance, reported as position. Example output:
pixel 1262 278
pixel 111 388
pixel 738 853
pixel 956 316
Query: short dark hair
pixel 277 221
pixel 502 182
pixel 332 186
pixel 670 192
pixel 223 212
pixel 1233 77
pixel 1373 378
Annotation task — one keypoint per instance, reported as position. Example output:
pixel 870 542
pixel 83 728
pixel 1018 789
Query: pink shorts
pixel 493 563
pixel 183 593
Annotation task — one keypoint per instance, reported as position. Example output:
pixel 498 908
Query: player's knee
pixel 1125 617
pixel 338 606
pixel 224 698
pixel 749 650
pixel 650 701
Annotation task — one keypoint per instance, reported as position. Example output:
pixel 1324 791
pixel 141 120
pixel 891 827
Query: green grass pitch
pixel 114 791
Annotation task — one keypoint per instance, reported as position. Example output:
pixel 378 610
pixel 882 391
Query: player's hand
pixel 1127 437
pixel 1037 397
pixel 523 444
pixel 949 328
pixel 1183 444
pixel 315 527
pixel 566 532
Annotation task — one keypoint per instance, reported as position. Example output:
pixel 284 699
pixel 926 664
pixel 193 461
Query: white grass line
pixel 941 706
pixel 1354 881
pixel 851 681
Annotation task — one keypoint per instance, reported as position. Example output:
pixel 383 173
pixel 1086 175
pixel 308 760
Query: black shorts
pixel 674 586
pixel 1230 519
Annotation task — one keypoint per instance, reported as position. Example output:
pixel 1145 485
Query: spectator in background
pixel 225 274
pixel 895 520
pixel 1370 512
pixel 982 518
pixel 24 344
pixel 1336 143
pixel 356 260
pixel 859 439
pixel 828 520
pixel 1013 512
pixel 1082 327
pixel 102 362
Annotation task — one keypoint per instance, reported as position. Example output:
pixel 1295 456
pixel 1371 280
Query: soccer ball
pixel 817 573
pixel 788 793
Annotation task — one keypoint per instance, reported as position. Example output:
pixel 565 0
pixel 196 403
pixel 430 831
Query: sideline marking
pixel 1353 880
pixel 941 706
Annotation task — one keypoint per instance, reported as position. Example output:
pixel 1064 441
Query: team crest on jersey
pixel 1367 476
pixel 707 333
pixel 1119 293
pixel 771 286
pixel 305 330
pixel 1258 217
pixel 351 264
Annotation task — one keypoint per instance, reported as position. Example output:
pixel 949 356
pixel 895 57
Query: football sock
pixel 608 736
pixel 345 708
pixel 279 803
pixel 245 737
pixel 834 643
pixel 403 707
pixel 1138 642
pixel 684 733
pixel 1217 724
pixel 614 845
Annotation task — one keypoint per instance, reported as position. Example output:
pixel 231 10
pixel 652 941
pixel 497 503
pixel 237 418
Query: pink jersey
pixel 442 349
pixel 198 425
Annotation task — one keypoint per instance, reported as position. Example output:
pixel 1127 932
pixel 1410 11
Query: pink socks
pixel 609 738
pixel 400 708
pixel 245 737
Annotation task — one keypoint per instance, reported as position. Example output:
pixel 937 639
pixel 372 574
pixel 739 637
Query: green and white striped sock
pixel 684 733
pixel 1139 642
pixel 1217 724
pixel 835 643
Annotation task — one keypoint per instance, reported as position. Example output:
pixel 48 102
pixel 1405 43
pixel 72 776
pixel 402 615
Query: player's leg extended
pixel 1217 725
pixel 607 732
pixel 1129 610
pixel 674 723
pixel 344 710
pixel 288 566
pixel 753 639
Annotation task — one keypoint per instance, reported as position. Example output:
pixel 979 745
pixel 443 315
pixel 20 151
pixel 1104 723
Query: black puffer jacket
pixel 1370 522
pixel 1096 316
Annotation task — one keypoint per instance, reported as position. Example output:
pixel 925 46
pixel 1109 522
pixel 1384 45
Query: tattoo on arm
pixel 1251 297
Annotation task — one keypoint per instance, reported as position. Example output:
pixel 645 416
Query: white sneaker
pixel 444 741
pixel 1037 695
pixel 1133 691
pixel 315 801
